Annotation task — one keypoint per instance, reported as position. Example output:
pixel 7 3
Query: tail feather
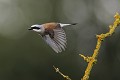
pixel 73 23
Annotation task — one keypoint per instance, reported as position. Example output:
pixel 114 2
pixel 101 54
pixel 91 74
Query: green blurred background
pixel 25 56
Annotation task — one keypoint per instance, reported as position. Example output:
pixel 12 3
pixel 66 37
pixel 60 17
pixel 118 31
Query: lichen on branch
pixel 100 38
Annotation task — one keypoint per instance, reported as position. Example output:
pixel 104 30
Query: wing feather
pixel 58 41
pixel 60 37
pixel 51 43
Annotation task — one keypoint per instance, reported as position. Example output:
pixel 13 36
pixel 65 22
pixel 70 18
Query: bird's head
pixel 37 28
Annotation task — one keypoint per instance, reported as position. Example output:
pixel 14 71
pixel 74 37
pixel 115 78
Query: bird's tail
pixel 73 23
pixel 63 25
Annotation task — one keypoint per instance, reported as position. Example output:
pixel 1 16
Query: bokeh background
pixel 25 56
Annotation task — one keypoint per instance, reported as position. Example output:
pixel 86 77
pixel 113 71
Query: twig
pixel 58 71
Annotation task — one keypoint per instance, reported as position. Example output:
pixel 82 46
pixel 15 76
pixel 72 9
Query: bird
pixel 53 34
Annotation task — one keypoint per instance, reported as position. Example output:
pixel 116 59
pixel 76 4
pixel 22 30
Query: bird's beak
pixel 29 28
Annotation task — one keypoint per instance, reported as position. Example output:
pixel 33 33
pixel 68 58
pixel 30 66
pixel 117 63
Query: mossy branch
pixel 101 37
pixel 93 59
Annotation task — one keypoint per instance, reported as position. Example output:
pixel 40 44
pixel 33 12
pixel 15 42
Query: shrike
pixel 53 34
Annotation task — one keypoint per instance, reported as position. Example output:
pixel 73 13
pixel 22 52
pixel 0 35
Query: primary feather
pixel 58 41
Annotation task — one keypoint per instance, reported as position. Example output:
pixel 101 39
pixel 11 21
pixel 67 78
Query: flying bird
pixel 53 34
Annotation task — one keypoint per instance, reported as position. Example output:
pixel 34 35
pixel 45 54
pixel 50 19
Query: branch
pixel 101 37
pixel 58 71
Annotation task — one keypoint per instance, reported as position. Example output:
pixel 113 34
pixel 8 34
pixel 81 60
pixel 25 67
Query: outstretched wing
pixel 56 39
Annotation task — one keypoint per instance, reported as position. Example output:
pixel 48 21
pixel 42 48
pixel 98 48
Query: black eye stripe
pixel 35 28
